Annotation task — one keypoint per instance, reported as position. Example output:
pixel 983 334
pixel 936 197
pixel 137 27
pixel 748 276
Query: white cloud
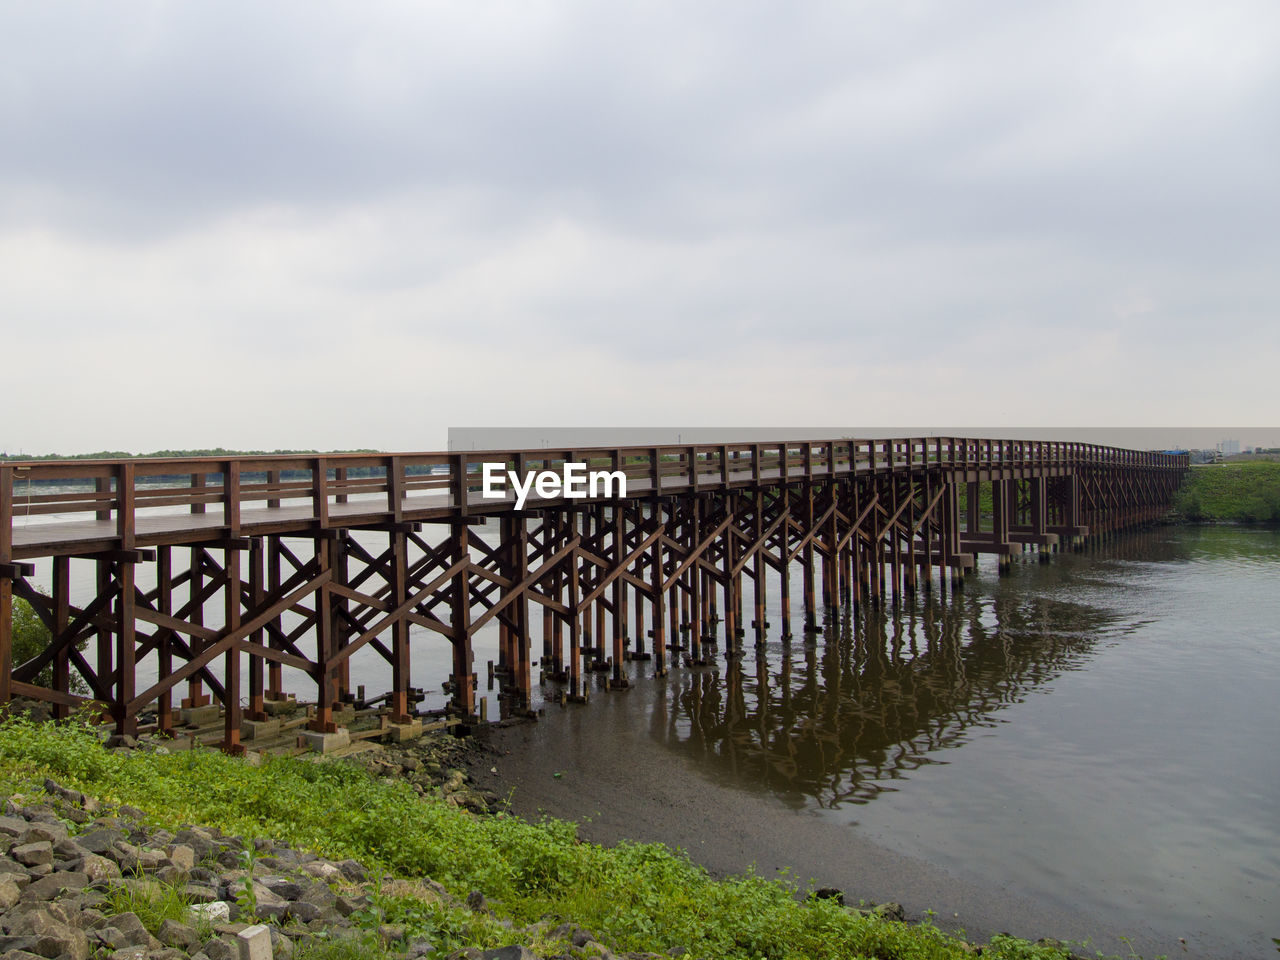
pixel 323 225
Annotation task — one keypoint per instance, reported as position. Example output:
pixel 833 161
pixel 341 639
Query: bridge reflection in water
pixel 883 691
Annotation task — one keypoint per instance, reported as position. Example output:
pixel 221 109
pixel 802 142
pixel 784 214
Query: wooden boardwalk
pixel 696 523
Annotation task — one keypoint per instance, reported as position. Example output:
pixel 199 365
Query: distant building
pixel 1229 448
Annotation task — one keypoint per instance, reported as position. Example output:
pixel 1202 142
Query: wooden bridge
pixel 398 541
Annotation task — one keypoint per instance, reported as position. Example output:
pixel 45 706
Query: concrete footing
pixel 400 732
pixel 277 707
pixel 259 729
pixel 326 742
pixel 209 713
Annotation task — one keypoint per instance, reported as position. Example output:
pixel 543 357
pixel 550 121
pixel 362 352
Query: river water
pixel 1097 734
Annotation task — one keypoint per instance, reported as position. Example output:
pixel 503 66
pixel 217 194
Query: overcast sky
pixel 354 225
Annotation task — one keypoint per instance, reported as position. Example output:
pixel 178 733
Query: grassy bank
pixel 1231 493
pixel 639 896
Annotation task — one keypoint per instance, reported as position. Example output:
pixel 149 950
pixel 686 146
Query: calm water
pixel 1099 733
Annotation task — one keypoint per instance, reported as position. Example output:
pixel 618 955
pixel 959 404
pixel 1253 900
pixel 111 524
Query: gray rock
pixel 99 841
pixel 174 876
pixel 33 854
pixel 50 832
pixel 219 949
pixel 199 841
pixel 129 953
pixel 305 912
pixel 516 951
pixel 15 872
pixel 99 868
pixel 168 953
pixel 890 911
pixel 283 887
pixel 353 871
pixel 281 946
pixel 181 855
pixel 10 893
pixel 55 885
pixel 320 894
pixel 8 945
pixel 349 905
pixel 54 936
pixel 175 934
pixel 13 826
pixel 131 932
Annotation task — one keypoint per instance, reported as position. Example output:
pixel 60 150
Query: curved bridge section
pixel 213 575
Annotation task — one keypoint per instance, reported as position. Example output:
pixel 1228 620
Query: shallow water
pixel 1098 733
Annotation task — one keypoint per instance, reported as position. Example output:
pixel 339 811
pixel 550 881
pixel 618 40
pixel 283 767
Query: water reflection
pixel 880 694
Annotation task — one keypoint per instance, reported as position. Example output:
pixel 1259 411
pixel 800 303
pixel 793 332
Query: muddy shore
pixel 595 766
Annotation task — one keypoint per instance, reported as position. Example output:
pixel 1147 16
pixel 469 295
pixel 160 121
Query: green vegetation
pixel 1231 492
pixel 639 896
pixel 153 904
pixel 30 637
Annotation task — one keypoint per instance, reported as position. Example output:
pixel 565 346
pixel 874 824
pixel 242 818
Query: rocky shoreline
pixel 67 863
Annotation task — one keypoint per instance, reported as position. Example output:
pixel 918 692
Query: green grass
pixel 635 896
pixel 153 904
pixel 1230 492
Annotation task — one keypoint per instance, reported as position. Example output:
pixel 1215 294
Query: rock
pixel 129 953
pixel 9 893
pixel 349 905
pixel 565 931
pixel 890 911
pixel 320 895
pixel 14 872
pixel 217 911
pixel 130 932
pixel 517 951
pixel 99 869
pixel 254 943
pixel 353 871
pixel 169 953
pixel 54 937
pixel 181 855
pixel 99 841
pixel 200 893
pixel 171 875
pixel 55 885
pixel 50 832
pixel 580 938
pixel 305 912
pixel 219 949
pixel 175 934
pixel 281 946
pixel 283 887
pixel 199 841
pixel 323 870
pixel 33 854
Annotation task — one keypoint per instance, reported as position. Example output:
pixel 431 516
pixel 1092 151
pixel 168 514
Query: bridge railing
pixel 114 496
